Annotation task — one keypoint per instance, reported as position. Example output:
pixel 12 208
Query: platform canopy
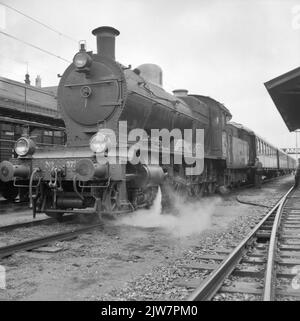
pixel 285 92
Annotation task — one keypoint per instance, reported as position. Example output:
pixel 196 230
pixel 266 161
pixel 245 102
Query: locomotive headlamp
pixel 99 143
pixel 24 146
pixel 82 60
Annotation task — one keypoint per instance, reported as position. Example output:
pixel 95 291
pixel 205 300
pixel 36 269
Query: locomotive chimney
pixel 106 41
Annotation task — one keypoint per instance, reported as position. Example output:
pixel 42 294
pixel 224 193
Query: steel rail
pixel 214 281
pixel 42 241
pixel 6 228
pixel 269 292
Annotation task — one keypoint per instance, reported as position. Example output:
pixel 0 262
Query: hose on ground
pixel 250 203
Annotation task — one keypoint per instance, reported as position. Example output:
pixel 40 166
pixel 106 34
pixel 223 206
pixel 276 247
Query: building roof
pixel 21 97
pixel 285 93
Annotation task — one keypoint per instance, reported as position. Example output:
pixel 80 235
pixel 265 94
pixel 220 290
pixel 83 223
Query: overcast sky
pixel 224 49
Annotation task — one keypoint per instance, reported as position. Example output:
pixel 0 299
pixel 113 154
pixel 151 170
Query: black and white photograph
pixel 149 152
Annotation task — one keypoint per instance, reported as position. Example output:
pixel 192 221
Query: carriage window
pixel 58 133
pixel 9 133
pixel 260 147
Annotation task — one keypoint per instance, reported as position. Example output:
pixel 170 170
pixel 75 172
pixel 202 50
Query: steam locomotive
pixel 95 94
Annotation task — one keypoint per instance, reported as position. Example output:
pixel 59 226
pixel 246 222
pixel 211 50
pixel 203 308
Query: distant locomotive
pixel 96 92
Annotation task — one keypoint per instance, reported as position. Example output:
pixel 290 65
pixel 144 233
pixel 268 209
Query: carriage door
pixel 229 154
pixel 224 145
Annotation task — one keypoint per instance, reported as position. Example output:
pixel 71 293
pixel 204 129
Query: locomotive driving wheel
pixel 198 190
pixel 211 188
pixel 182 189
pixel 150 195
pixel 111 198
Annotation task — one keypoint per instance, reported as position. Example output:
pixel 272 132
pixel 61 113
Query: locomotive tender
pixel 96 93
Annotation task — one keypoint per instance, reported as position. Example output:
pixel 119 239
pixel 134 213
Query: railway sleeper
pixel 243 287
pixel 249 271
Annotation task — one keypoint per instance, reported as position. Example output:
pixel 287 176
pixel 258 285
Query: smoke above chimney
pixel 106 41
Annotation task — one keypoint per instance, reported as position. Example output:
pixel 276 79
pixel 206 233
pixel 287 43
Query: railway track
pixel 266 264
pixel 212 284
pixel 8 250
